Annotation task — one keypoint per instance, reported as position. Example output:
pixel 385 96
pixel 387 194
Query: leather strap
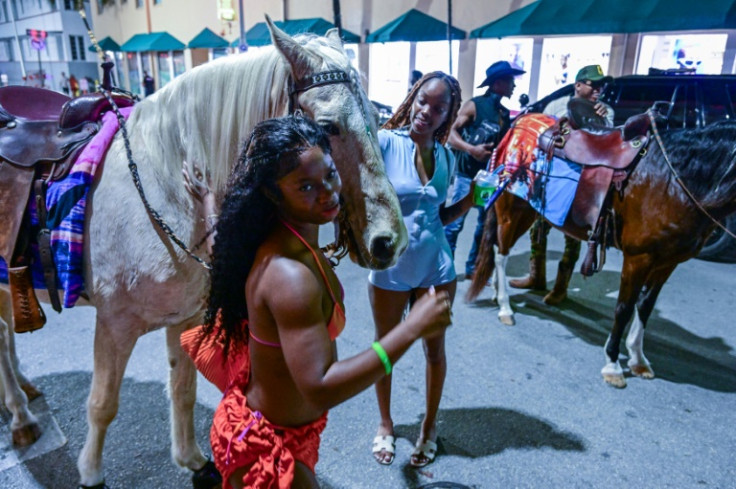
pixel 44 245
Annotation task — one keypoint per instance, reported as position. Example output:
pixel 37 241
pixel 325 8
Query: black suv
pixel 688 101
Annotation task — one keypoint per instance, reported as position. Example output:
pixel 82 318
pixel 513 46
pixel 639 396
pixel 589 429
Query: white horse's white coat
pixel 138 280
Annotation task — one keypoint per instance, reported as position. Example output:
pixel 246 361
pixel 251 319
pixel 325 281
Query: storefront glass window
pixel 164 75
pixel 134 75
pixel 562 57
pixel 700 53
pixel 517 51
pixel 389 73
pixel 179 64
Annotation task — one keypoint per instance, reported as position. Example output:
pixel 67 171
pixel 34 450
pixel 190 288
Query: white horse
pixel 138 280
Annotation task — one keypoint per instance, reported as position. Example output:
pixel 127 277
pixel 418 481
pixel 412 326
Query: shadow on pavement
pixel 495 430
pixel 676 354
pixel 137 446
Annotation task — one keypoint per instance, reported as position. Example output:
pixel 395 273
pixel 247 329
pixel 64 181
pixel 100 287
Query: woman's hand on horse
pixel 600 109
pixel 194 180
pixel 430 314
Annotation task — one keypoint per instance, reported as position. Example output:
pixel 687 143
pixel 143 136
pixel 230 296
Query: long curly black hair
pixel 402 116
pixel 248 213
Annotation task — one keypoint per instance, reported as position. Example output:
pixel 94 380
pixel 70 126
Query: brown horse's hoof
pixel 642 370
pixel 31 391
pixel 555 297
pixel 27 435
pixel 507 320
pixel 615 380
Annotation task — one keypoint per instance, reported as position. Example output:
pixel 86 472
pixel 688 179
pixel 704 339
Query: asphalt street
pixel 523 406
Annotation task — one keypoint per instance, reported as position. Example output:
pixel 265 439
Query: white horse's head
pixel 371 222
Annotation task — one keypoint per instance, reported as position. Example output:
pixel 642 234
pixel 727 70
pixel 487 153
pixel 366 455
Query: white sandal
pixel 427 450
pixel 387 444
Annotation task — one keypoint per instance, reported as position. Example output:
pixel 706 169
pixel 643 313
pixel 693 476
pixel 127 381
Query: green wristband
pixel 383 356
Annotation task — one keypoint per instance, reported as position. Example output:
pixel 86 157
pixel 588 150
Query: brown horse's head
pixel 371 226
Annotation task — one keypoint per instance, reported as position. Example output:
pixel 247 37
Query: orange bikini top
pixel 337 319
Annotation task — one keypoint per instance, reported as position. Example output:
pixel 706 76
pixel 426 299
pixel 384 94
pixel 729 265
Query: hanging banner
pixel 225 10
pixel 38 39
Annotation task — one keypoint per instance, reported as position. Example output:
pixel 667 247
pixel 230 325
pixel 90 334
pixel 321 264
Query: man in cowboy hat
pixel 588 84
pixel 480 125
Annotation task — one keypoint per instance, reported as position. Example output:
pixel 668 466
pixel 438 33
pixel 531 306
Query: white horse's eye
pixel 330 128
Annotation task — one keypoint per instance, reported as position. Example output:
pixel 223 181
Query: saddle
pixel 607 156
pixel 41 133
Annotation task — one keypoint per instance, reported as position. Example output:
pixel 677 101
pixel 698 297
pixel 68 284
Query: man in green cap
pixel 588 84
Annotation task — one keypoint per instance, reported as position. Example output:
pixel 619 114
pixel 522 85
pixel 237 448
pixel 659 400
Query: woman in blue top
pixel 419 167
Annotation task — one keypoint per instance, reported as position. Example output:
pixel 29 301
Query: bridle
pixel 312 81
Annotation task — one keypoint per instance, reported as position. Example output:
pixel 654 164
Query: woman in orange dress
pixel 275 298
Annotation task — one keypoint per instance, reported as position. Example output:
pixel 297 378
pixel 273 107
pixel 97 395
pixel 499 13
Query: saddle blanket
pixel 550 188
pixel 66 201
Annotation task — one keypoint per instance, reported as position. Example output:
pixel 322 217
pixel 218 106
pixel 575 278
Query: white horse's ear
pixel 300 59
pixel 334 36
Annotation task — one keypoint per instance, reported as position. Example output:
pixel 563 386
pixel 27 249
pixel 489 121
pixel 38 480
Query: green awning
pixel 607 17
pixel 508 25
pixel 414 26
pixel 155 41
pixel 107 44
pixel 259 35
pixel 207 39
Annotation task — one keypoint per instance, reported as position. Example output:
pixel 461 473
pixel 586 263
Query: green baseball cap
pixel 593 73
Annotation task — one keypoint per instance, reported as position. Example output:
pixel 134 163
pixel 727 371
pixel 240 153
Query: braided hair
pixel 402 116
pixel 248 214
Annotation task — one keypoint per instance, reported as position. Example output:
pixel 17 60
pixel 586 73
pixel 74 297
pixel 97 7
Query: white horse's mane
pixel 204 116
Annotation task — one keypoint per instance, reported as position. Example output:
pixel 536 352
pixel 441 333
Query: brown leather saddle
pixel 41 133
pixel 607 155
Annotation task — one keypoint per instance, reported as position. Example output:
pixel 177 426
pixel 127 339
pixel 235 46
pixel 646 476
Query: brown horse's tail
pixel 486 260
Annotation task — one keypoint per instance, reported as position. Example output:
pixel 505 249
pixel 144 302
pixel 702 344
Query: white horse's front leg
pixel 183 393
pixel 113 346
pixel 505 313
pixel 24 425
pixel 638 363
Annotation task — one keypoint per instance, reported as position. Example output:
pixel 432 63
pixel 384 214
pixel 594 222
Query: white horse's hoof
pixel 507 319
pixel 641 370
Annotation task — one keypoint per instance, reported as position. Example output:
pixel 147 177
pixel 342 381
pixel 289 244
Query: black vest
pixel 487 108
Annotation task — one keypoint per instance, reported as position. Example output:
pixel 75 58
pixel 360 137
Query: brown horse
pixel 656 225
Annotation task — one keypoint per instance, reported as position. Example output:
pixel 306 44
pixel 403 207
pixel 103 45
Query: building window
pixel 6 50
pixel 100 7
pixel 4 12
pixel 73 44
pixel 68 5
pixel 156 2
pixel 138 3
pixel 77 48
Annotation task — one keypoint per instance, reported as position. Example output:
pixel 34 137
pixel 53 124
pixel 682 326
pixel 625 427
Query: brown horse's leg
pixel 633 276
pixel 515 217
pixel 638 363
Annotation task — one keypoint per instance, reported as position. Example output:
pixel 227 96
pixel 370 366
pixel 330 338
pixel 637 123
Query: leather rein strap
pixel 650 113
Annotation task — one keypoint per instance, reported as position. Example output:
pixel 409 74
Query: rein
pixel 650 113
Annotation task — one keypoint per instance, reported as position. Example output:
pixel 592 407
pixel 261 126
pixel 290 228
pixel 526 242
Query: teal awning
pixel 508 25
pixel 207 39
pixel 155 41
pixel 414 26
pixel 606 17
pixel 259 35
pixel 107 44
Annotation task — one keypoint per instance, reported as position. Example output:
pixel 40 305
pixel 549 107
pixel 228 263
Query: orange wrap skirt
pixel 241 437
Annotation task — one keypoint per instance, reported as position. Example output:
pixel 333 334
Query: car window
pixel 683 112
pixel 634 98
pixel 718 100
